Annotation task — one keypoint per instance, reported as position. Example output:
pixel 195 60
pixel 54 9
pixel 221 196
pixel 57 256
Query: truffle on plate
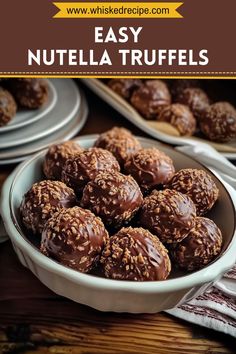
pixel 168 214
pixel 196 99
pixel 135 254
pixel 150 168
pixel 218 123
pixel 180 117
pixel 42 201
pixel 179 85
pixel 7 107
pixel 200 247
pixel 29 93
pixel 198 185
pixel 56 157
pixel 120 142
pixel 150 98
pixel 83 166
pixel 112 196
pixel 124 87
pixel 75 238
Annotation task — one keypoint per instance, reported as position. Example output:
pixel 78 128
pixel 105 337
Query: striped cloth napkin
pixel 216 308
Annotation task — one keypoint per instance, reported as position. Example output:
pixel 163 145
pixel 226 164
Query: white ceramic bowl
pixel 106 294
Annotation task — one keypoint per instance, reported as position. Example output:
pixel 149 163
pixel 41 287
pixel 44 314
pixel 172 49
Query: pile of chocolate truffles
pixel 185 104
pixel 20 93
pixel 121 211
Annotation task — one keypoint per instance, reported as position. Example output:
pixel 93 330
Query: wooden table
pixel 35 320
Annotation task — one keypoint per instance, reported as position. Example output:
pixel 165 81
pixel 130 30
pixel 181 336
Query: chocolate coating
pixel 179 85
pixel 135 254
pixel 112 196
pixel 227 106
pixel 168 214
pixel 43 200
pixel 150 168
pixel 124 87
pixel 180 117
pixel 196 99
pixel 120 142
pixel 151 98
pixel 7 107
pixel 218 122
pixel 29 93
pixel 82 167
pixel 198 185
pixel 56 157
pixel 75 238
pixel 200 247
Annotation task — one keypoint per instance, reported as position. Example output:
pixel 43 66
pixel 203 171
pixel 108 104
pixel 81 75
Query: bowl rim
pixel 209 273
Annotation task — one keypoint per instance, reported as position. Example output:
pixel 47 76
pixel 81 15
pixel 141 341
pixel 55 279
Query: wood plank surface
pixel 35 320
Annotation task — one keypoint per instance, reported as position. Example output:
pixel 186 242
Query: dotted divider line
pixel 118 72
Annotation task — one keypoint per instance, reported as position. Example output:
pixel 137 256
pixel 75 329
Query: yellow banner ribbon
pixel 118 10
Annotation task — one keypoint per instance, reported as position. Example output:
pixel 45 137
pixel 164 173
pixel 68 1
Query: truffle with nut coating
pixel 168 214
pixel 75 238
pixel 196 99
pixel 82 167
pixel 114 197
pixel 135 254
pixel 180 117
pixel 124 87
pixel 120 142
pixel 200 247
pixel 7 107
pixel 56 157
pixel 29 93
pixel 42 200
pixel 198 185
pixel 150 168
pixel 150 98
pixel 218 123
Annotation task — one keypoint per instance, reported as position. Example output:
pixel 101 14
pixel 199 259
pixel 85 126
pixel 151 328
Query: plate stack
pixel 59 119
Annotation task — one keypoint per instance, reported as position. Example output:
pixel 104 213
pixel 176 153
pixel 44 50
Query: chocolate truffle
pixel 168 214
pixel 198 185
pixel 218 123
pixel 179 85
pixel 7 107
pixel 29 93
pixel 42 201
pixel 124 87
pixel 150 98
pixel 83 166
pixel 112 196
pixel 56 157
pixel 200 247
pixel 196 99
pixel 227 106
pixel 150 168
pixel 120 142
pixel 75 238
pixel 135 254
pixel 180 117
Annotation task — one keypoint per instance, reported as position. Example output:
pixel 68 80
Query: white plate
pixel 109 96
pixel 15 155
pixel 68 102
pixel 25 117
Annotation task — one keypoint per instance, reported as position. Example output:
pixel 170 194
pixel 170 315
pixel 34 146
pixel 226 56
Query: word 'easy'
pixel 121 35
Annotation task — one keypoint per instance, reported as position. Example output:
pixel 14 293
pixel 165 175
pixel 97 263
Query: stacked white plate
pixel 59 119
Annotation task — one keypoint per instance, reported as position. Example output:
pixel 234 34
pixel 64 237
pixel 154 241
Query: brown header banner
pixel 189 38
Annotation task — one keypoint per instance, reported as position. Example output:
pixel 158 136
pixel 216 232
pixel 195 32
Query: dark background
pixel 29 24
